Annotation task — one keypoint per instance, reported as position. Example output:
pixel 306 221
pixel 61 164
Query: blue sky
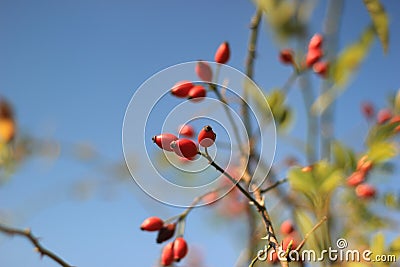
pixel 70 69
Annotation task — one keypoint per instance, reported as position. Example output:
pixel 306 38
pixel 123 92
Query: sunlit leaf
pixel 381 133
pixel 380 152
pixel 377 245
pixel 395 246
pixel 343 156
pixel 380 20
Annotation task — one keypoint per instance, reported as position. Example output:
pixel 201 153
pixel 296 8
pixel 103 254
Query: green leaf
pixel 380 152
pixel 397 102
pixel 380 21
pixel 381 133
pixel 352 57
pixel 343 156
pixel 348 61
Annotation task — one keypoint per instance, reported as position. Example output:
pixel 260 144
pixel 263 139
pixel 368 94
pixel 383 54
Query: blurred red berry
pixel 307 168
pixel 365 191
pixel 321 68
pixel 364 166
pixel 186 130
pixel 315 42
pixel 182 88
pixel 356 178
pixel 180 248
pixel 383 116
pixel 210 198
pixel 273 256
pixel 290 238
pixel 223 53
pixel 166 232
pixel 368 109
pixel 185 148
pixel 197 93
pixel 286 56
pixel 203 71
pixel 167 254
pixel 164 140
pixel 206 136
pixel 152 224
pixel 313 56
pixel 287 227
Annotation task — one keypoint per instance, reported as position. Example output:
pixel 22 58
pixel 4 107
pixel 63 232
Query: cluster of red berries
pixel 313 56
pixel 184 147
pixel 173 251
pixel 196 93
pixel 357 179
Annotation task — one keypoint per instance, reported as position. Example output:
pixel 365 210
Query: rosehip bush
pixel 310 191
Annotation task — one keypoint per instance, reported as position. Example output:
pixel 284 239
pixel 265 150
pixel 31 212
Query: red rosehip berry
pixel 197 93
pixel 185 148
pixel 167 254
pixel 313 56
pixel 308 168
pixel 152 224
pixel 364 165
pixel 164 140
pixel 315 41
pixel 182 88
pixel 180 248
pixel 223 53
pixel 287 227
pixel 186 130
pixel 365 191
pixel 206 136
pixel 204 71
pixel 273 256
pixel 166 232
pixel 356 178
pixel 368 109
pixel 286 56
pixel 321 68
pixel 383 116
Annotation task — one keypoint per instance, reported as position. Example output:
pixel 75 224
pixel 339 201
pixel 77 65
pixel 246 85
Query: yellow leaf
pixel 380 21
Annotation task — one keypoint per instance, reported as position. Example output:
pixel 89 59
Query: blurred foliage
pixel 380 21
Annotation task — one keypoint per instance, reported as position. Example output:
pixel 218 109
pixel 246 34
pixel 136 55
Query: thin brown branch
pixel 35 242
pixel 310 232
pixel 273 186
pixel 251 55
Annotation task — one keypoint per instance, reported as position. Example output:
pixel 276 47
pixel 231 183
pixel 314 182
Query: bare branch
pixel 35 242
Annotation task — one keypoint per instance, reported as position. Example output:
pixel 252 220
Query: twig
pixel 35 241
pixel 310 232
pixel 251 55
pixel 233 180
pixel 276 184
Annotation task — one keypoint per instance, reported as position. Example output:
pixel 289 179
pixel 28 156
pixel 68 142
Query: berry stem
pixel 235 182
